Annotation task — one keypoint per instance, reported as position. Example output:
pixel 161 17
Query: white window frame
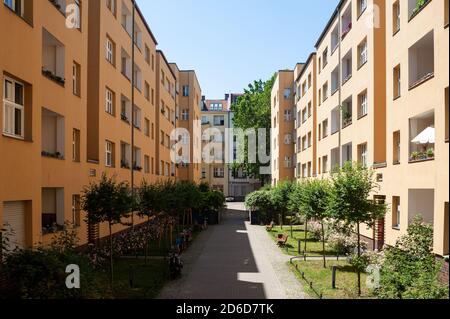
pixel 287 115
pixel 9 110
pixel 363 106
pixel 185 115
pixel 109 102
pixel 108 153
pixel 363 53
pixel 109 51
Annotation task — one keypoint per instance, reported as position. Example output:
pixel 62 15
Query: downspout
pixel 340 88
pixel 132 103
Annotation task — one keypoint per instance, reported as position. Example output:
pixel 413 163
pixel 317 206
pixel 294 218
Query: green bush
pixel 410 269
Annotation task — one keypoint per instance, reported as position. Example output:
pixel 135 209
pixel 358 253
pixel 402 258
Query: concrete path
pixel 234 260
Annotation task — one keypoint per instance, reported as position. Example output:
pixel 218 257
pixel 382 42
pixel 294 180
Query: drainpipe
pixel 132 102
pixel 341 163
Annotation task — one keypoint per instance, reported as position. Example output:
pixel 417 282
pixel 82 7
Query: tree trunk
pixel 111 259
pixel 359 258
pixel 306 234
pixel 323 247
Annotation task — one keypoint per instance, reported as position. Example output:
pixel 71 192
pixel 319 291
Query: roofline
pixel 145 22
pixel 308 61
pixel 195 76
pixel 330 22
pixel 168 64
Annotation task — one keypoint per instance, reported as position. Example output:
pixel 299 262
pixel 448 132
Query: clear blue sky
pixel 230 43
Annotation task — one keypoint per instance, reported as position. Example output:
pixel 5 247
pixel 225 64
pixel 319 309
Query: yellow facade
pixel 68 114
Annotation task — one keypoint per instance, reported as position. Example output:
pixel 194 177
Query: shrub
pixel 344 244
pixel 410 269
pixel 315 230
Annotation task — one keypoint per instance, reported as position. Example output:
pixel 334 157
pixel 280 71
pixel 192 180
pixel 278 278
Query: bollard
pixel 299 247
pixel 333 284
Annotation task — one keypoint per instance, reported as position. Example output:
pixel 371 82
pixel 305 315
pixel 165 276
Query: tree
pixel 350 202
pixel 410 269
pixel 108 201
pixel 149 196
pixel 260 201
pixel 280 200
pixel 313 203
pixel 253 111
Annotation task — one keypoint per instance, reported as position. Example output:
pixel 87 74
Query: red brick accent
pixel 444 274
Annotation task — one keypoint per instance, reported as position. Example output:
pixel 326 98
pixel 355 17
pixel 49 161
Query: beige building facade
pixel 75 106
pixel 377 88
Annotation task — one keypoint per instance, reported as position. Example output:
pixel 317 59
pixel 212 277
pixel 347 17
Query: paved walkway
pixel 234 260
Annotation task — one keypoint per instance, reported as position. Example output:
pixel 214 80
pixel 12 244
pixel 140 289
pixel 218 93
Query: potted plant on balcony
pixel 430 153
pixel 415 156
pixel 419 5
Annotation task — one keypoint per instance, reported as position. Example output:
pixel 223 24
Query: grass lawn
pixel 313 247
pixel 148 279
pixel 346 280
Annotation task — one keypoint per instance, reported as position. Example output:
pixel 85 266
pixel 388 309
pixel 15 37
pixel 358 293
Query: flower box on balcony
pixel 56 155
pixel 50 75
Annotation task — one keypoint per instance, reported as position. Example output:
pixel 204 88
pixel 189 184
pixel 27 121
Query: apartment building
pixel 381 77
pixel 190 107
pixel 43 70
pixel 240 184
pixel 165 116
pixel 306 119
pixel 88 101
pixel 215 120
pixel 282 118
pixel 416 178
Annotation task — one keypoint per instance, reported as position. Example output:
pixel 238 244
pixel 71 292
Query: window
pixel 52 134
pixel 287 162
pixel 146 164
pixel 76 210
pixel 137 117
pixel 110 51
pixel 219 120
pixel 147 91
pixel 325 164
pixel 219 172
pixel 309 80
pixel 147 127
pixel 288 139
pixel 287 93
pixel 362 53
pixel 346 21
pixel 335 81
pixel 13 108
pixel 110 102
pixel 185 90
pixel 287 115
pixel 125 109
pixel 111 5
pixel 137 36
pixel 137 77
pixel 137 165
pixel 126 19
pixel 397 82
pixel 76 79
pixel 362 104
pixel 185 115
pixel 126 64
pixel 320 64
pixel 125 155
pixel 109 154
pixel 396 151
pixel 325 57
pixel 347 112
pixel 415 6
pixel 325 128
pixel 362 6
pixel 15 5
pixel 152 96
pixel 320 97
pixel 396 18
pixel 422 137
pixel 325 91
pixel 309 139
pixel 76 145
pixel 396 212
pixel 147 55
pixel 362 154
pixel 334 38
pixel 319 131
pixel 421 60
pixel 335 120
pixel 347 65
pixel 53 58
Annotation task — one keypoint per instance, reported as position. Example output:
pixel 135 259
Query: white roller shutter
pixel 14 216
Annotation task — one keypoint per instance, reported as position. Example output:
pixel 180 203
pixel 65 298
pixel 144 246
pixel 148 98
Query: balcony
pixel 347 155
pixel 60 5
pixel 334 39
pixel 347 112
pixel 53 132
pixel 335 83
pixel 126 64
pixel 335 120
pixel 347 67
pixel 415 7
pixel 125 109
pixel 346 24
pixel 422 136
pixel 53 58
pixel 52 217
pixel 137 165
pixel 421 61
pixel 125 155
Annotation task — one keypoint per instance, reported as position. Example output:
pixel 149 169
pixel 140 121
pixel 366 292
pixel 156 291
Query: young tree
pixel 280 200
pixel 350 202
pixel 253 111
pixel 295 206
pixel 260 201
pixel 108 201
pixel 313 202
